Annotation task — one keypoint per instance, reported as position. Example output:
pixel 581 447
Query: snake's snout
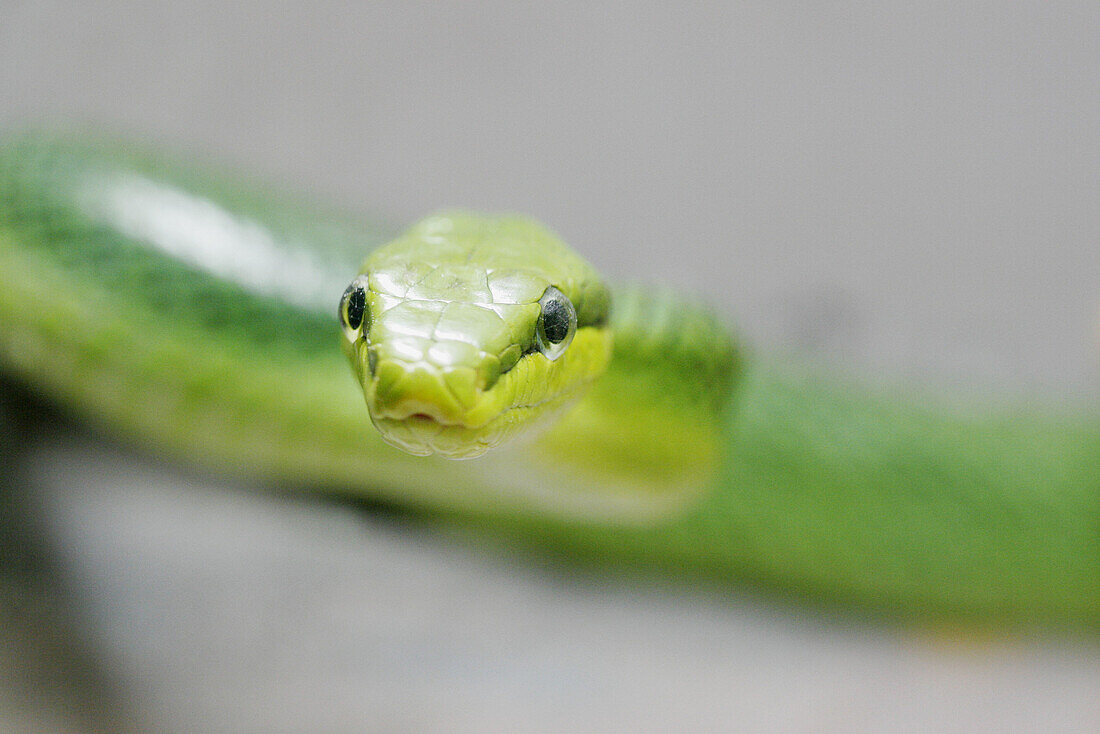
pixel 402 392
pixel 412 376
pixel 425 408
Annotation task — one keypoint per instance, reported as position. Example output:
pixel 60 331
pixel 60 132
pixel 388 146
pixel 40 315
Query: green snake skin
pixel 446 331
pixel 194 314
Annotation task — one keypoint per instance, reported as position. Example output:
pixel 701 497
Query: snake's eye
pixel 353 307
pixel 557 323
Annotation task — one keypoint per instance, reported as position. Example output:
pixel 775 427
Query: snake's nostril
pixel 488 373
pixel 462 384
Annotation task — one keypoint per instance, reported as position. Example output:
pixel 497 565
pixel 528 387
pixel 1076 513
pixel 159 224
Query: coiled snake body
pixel 193 314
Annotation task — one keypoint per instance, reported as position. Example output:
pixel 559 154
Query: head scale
pixel 468 330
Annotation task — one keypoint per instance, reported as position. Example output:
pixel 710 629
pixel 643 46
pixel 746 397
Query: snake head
pixel 469 330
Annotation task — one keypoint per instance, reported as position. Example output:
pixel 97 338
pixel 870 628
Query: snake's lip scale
pixel 425 436
pixel 422 393
pixel 422 413
pixel 422 435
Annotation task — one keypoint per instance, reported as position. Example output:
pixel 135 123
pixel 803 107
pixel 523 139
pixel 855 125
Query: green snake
pixel 195 314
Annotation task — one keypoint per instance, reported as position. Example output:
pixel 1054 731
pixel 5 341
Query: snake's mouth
pixel 425 427
pixel 454 411
pixel 422 435
pixel 421 414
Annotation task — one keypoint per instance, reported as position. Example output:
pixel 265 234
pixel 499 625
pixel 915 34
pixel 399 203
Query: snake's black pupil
pixel 357 304
pixel 555 321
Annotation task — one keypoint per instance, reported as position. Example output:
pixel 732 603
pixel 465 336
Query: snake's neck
pixel 649 435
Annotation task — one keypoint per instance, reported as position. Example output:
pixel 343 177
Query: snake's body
pixel 195 315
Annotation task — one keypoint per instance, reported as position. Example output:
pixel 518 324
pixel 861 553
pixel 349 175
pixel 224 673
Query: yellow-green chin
pixel 421 435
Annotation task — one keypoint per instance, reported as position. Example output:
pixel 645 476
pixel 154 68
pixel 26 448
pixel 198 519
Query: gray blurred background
pixel 907 190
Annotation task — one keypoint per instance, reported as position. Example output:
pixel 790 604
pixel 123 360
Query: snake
pixel 514 396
